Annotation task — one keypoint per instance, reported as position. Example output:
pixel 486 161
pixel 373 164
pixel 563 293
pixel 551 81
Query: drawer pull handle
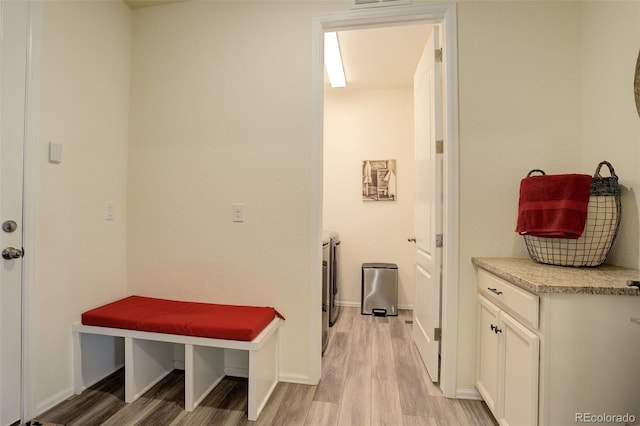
pixel 633 283
pixel 494 290
pixel 495 329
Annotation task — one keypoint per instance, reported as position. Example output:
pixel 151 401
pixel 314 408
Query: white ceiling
pixel 382 58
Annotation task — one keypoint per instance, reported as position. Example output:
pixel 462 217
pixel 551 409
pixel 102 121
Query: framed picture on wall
pixel 379 180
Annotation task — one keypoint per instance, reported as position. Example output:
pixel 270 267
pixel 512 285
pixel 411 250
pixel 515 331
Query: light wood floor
pixel 371 375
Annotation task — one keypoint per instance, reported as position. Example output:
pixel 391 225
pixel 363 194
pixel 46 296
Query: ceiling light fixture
pixel 333 60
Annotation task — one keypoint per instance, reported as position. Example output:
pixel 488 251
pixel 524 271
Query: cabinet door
pixel 519 371
pixel 487 353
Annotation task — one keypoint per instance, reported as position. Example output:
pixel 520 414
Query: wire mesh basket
pixel 600 231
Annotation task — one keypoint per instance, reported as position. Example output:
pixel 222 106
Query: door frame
pixel 444 14
pixel 29 200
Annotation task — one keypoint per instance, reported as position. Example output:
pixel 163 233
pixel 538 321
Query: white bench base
pixel 149 357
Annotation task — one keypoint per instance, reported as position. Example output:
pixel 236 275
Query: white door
pixel 428 260
pixel 13 62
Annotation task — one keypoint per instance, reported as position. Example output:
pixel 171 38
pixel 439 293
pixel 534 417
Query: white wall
pixel 520 98
pixel 221 114
pixel 81 258
pixel 542 85
pixel 610 122
pixel 369 125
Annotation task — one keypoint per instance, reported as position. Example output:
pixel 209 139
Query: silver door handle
pixel 12 253
pixel 411 239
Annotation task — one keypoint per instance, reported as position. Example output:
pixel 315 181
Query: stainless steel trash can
pixel 379 289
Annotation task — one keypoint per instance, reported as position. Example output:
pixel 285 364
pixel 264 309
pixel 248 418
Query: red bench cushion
pixel 186 318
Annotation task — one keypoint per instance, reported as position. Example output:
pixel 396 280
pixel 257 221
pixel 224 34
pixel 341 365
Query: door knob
pixel 411 239
pixel 12 253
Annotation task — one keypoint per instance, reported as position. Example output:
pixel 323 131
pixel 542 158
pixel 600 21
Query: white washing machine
pixel 326 276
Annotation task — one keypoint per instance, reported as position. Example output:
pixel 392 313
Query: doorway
pixel 368 151
pixel 443 14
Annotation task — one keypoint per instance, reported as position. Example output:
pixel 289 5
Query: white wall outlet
pixel 55 152
pixel 108 211
pixel 237 212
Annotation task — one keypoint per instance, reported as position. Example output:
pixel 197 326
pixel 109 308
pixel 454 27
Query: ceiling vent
pixel 379 3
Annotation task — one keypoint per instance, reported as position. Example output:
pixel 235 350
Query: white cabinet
pixel 519 368
pixel 560 356
pixel 508 361
pixel 487 353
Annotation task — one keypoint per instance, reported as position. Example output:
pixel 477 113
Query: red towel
pixel 553 206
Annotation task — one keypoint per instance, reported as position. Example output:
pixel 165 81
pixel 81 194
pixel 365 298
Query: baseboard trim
pixel 301 379
pixel 236 372
pixel 357 305
pixel 468 393
pixel 51 402
pixel 348 304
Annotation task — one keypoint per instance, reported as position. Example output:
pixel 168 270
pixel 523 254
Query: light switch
pixel 237 212
pixel 55 152
pixel 108 211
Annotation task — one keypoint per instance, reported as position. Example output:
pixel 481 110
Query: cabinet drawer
pixel 510 297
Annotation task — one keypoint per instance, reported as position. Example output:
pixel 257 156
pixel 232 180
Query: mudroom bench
pixel 147 336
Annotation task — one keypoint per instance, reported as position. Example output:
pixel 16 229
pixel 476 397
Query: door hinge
pixel 439 240
pixel 437 334
pixel 438 55
pixel 439 146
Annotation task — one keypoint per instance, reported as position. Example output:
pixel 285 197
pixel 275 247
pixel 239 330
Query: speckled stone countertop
pixel 539 278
